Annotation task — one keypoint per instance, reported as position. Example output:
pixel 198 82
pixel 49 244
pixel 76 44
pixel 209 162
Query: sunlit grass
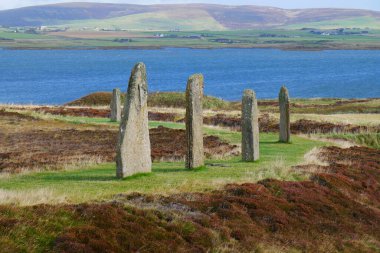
pixel 360 119
pixel 371 140
pixel 99 182
pixel 241 38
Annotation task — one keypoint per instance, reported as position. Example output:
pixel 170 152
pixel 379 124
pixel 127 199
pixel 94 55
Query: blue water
pixel 59 76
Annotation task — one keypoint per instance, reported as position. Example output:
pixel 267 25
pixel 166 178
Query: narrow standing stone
pixel 194 122
pixel 116 106
pixel 284 115
pixel 133 148
pixel 250 127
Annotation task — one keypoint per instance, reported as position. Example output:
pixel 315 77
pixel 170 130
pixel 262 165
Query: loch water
pixel 59 76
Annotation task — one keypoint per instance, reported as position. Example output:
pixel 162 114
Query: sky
pixel 289 4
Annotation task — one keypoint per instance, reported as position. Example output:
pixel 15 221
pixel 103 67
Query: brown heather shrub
pixel 111 228
pixel 337 210
pixel 93 99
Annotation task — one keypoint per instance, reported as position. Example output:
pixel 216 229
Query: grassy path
pixel 99 182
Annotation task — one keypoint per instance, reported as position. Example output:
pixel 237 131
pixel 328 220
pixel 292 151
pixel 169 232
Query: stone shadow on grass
pixel 175 170
pixel 178 170
pixel 58 178
pixel 270 142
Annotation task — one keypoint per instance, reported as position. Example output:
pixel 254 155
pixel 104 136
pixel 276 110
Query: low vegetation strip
pixel 91 38
pixel 159 99
pixel 177 100
pixel 338 208
pixel 268 123
pixel 371 140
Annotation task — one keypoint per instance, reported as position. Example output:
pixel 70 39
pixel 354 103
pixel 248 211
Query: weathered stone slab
pixel 116 106
pixel 194 122
pixel 250 127
pixel 284 115
pixel 133 148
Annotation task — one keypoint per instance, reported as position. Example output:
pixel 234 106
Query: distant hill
pixel 185 17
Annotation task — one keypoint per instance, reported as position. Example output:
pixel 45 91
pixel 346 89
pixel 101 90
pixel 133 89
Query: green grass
pixel 371 140
pixel 229 136
pixel 99 182
pixel 292 39
pixel 13 35
pixel 96 121
pixel 360 22
pixel 70 119
pixel 153 21
pixel 155 124
pixel 84 120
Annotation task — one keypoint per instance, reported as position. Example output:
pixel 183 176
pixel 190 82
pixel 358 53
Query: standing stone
pixel 116 106
pixel 133 148
pixel 250 127
pixel 194 122
pixel 283 99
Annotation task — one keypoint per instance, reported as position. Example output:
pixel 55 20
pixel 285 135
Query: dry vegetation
pixel 355 120
pixel 304 106
pixel 300 124
pixel 338 207
pixel 29 143
pixel 332 198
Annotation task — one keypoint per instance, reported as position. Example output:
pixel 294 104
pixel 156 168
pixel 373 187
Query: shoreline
pixel 369 48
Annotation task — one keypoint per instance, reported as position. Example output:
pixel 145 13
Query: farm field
pixel 274 38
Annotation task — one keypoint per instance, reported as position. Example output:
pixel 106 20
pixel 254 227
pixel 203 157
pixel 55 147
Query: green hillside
pixel 198 20
pixel 358 22
pixel 95 25
pixel 184 17
pixel 190 20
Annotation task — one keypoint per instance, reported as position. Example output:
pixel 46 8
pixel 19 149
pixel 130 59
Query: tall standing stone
pixel 284 115
pixel 194 122
pixel 116 106
pixel 250 127
pixel 133 148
